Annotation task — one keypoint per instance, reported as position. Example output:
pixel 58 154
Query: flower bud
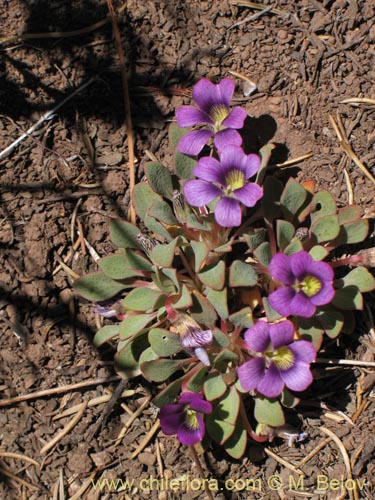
pixel 180 209
pixel 147 243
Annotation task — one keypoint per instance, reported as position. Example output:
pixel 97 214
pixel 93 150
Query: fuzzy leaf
pixel 219 300
pixel 271 314
pixel 310 330
pixel 213 276
pixel 169 394
pixel 175 133
pixel 160 179
pixel 143 198
pixel 124 265
pixel 265 155
pixel 348 297
pixel 134 324
pixel 322 204
pixel 223 359
pixel 195 383
pixel 222 421
pixel 183 166
pixel 163 255
pixel 331 320
pixel 292 199
pixel 159 370
pixel 256 238
pixel 271 198
pixel 263 253
pixel 127 359
pixel 352 232
pixel 294 246
pixel 202 310
pixel 242 318
pixel 201 251
pixel 352 213
pixel 268 411
pixel 163 342
pixel 106 333
pixel 288 399
pixel 185 299
pixel 124 234
pixel 98 287
pixel 162 212
pixel 242 274
pixel 214 387
pixel 220 339
pixel 140 299
pixel 325 229
pixel 284 233
pixel 318 252
pixel 171 273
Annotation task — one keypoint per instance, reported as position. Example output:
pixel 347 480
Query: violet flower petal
pixel 201 405
pixel 171 423
pixel 236 118
pixel 280 300
pixel 251 373
pixel 257 337
pixel 207 94
pixel 198 193
pixel 324 296
pixel 196 338
pixel 190 436
pixel 281 334
pixel 227 137
pixel 280 270
pixel 300 263
pixel 252 165
pixel 322 270
pixel 303 351
pixel 208 169
pixel 271 384
pixel 300 305
pixel 186 116
pixel 298 377
pixel 226 90
pixel 249 194
pixel 193 142
pixel 228 212
pixel 233 158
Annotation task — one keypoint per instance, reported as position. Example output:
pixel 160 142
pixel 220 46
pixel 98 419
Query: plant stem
pixel 200 470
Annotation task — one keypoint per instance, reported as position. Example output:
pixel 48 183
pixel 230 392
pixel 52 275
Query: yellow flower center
pixel 218 114
pixel 282 357
pixel 310 286
pixel 191 419
pixel 235 179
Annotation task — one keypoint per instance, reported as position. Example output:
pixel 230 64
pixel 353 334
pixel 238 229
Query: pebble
pixel 147 458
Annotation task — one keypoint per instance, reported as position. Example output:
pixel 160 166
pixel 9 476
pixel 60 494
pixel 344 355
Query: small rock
pixel 147 458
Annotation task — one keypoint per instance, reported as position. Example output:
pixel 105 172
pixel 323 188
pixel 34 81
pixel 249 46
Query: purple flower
pixel 193 339
pixel 308 284
pixel 227 179
pixel 213 102
pixel 282 361
pixel 185 418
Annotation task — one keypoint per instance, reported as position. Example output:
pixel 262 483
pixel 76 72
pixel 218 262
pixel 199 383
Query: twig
pixel 9 474
pixel 58 390
pixel 197 462
pixel 131 420
pixel 8 454
pixel 128 117
pixel 284 462
pixel 349 188
pixel 146 440
pixel 346 362
pixel 78 494
pixel 45 117
pixel 252 17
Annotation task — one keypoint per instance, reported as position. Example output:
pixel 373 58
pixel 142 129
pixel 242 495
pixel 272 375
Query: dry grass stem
pixel 84 487
pixel 10 474
pixel 18 456
pixel 131 420
pixel 69 426
pixel 198 465
pixel 294 161
pixel 283 462
pixel 345 362
pixel 314 452
pixel 257 6
pixel 349 187
pixel 146 440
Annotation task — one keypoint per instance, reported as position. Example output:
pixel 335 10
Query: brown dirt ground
pixel 306 57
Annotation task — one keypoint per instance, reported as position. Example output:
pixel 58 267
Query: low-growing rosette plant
pixel 225 296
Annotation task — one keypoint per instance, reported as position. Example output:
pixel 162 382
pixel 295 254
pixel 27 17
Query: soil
pixel 306 58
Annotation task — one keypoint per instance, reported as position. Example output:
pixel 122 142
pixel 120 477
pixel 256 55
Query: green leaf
pixel 318 252
pixel 271 198
pixel 263 253
pixel 256 238
pixel 220 339
pixel 292 199
pixel 162 212
pixel 235 446
pixel 242 274
pixel 124 234
pixel 106 333
pixel 331 320
pixel 224 358
pixel 322 204
pixel 201 251
pixel 143 198
pixel 352 213
pixel 175 133
pixel 163 255
pixel 163 342
pixel 213 275
pixel 265 155
pixel 183 165
pixel 361 278
pixel 160 179
pixel 159 370
pixel 185 299
pixel 271 314
pixel 98 287
pixel 309 329
pixel 141 299
pixel 288 399
pixel 155 227
pixel 219 300
pixel 242 318
pixel 352 232
pixel 294 246
pixel 284 233
pixel 268 411
pixel 202 310
pixel 124 265
pixel 214 387
pixel 171 273
pixel 134 324
pixel 169 394
pixel 348 297
pixel 127 359
pixel 325 229
pixel 221 422
pixel 164 282
pixel 195 382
